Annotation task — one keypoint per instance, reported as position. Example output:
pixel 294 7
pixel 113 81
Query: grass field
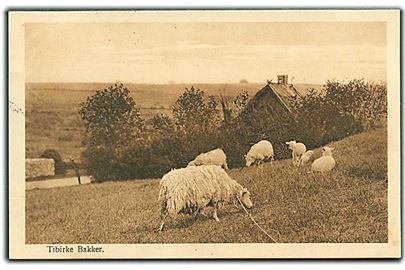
pixel 53 121
pixel 348 205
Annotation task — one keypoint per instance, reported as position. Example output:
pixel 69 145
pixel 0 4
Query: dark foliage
pixel 112 124
pixel 59 164
pixel 120 147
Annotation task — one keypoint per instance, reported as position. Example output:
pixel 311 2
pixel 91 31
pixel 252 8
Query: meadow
pixel 349 205
pixel 53 121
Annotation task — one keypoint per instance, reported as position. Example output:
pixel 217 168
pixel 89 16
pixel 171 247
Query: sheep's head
pixel 249 160
pixel 244 196
pixel 291 144
pixel 327 151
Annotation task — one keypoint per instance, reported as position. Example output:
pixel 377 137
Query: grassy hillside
pixel 348 205
pixel 53 121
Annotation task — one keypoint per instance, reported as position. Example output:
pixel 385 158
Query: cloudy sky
pixel 205 52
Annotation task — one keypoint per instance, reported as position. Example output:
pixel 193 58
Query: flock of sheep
pixel 205 183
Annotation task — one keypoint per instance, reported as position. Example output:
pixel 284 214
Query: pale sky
pixel 205 52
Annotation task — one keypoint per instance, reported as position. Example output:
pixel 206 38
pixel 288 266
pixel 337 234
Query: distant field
pixel 347 206
pixel 52 119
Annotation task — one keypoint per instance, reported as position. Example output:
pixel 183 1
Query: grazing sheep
pixel 189 190
pixel 325 163
pixel 327 151
pixel 258 152
pixel 214 157
pixel 306 157
pixel 298 149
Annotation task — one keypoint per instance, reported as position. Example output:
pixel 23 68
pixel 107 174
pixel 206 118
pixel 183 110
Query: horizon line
pixel 166 83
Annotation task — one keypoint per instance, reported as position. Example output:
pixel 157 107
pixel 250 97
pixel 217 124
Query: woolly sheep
pixel 306 157
pixel 298 149
pixel 189 190
pixel 258 152
pixel 214 157
pixel 325 163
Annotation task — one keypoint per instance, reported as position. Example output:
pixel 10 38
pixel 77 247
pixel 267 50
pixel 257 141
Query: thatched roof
pixel 280 92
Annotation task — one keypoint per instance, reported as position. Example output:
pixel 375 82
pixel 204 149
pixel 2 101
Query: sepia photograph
pixel 199 134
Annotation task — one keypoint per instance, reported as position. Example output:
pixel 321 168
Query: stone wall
pixel 35 167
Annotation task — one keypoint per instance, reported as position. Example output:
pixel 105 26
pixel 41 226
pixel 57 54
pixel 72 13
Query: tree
pixel 111 119
pixel 192 114
pixel 162 123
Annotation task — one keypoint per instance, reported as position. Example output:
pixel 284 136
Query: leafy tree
pixel 111 119
pixel 365 101
pixel 162 123
pixel 192 113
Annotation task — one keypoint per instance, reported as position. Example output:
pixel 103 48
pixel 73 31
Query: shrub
pixel 341 110
pixel 59 164
pixel 102 163
pixel 119 145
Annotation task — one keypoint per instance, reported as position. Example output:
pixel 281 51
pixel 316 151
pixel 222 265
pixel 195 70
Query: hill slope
pixel 349 205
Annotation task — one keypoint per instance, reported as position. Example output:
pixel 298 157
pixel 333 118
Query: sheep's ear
pixel 244 155
pixel 287 143
pixel 332 148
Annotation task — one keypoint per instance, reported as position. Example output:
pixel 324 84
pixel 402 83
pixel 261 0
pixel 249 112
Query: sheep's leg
pixel 293 157
pixel 215 214
pixel 161 226
pixel 163 217
pixel 299 161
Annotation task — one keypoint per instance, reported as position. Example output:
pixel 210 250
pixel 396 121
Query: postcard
pixel 204 134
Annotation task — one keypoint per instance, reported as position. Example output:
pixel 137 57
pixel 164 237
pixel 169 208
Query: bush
pixel 120 147
pixel 343 109
pixel 59 164
pixel 102 163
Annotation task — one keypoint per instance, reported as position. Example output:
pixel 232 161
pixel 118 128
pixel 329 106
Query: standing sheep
pixel 325 163
pixel 189 190
pixel 214 157
pixel 306 157
pixel 258 152
pixel 298 149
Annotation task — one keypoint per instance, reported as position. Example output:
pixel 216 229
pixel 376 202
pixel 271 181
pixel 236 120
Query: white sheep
pixel 259 152
pixel 190 190
pixel 214 157
pixel 298 149
pixel 325 163
pixel 306 157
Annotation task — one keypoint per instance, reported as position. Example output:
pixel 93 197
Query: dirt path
pixel 51 183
